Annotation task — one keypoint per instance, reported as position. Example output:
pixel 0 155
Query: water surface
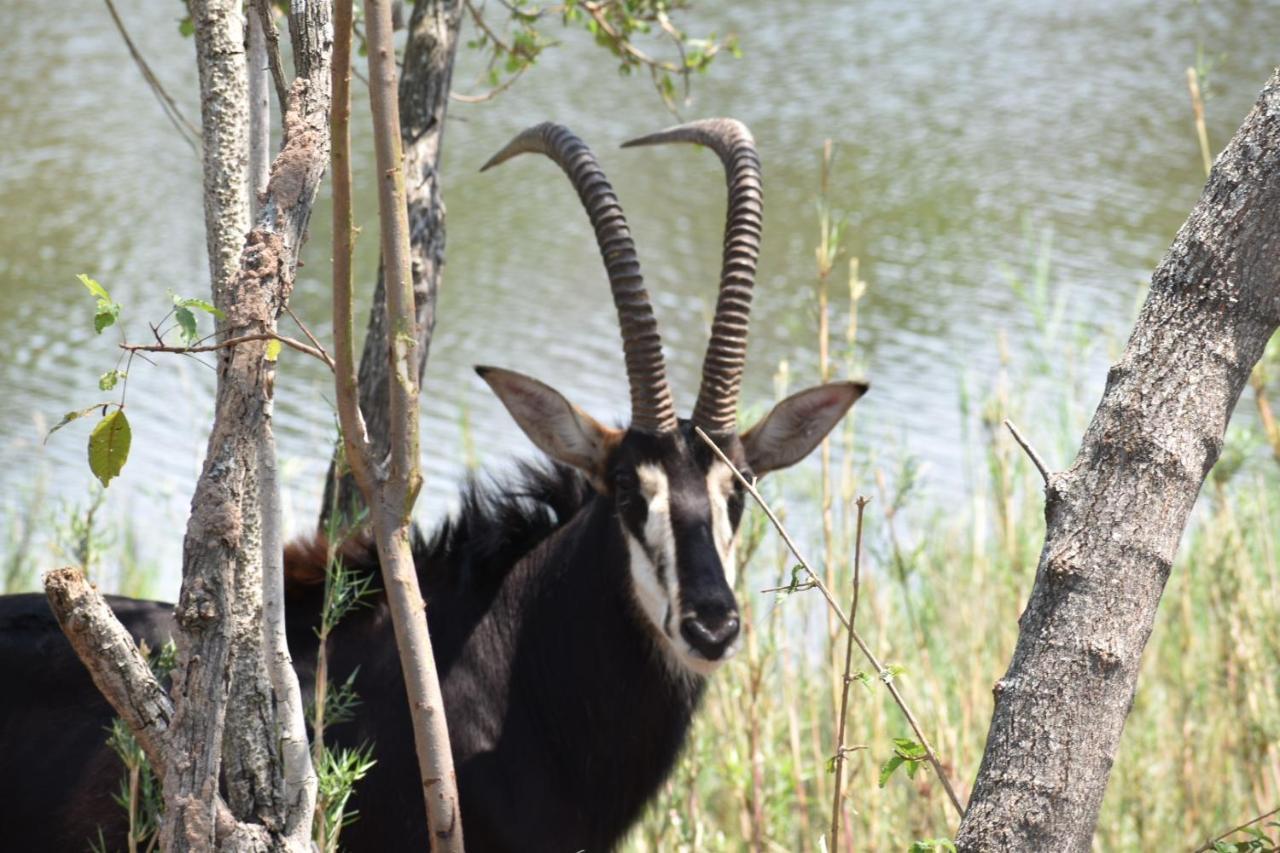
pixel 958 128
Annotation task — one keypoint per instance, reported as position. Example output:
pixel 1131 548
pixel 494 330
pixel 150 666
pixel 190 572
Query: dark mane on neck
pixel 501 518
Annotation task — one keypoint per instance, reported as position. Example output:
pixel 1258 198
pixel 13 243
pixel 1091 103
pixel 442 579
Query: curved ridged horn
pixel 716 409
pixel 651 408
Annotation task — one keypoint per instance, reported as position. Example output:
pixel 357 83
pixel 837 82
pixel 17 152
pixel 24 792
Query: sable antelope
pixel 575 611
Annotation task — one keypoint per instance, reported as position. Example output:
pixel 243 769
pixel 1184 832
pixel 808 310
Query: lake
pixel 964 132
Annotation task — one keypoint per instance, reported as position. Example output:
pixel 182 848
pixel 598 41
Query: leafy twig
pixel 292 343
pixel 885 674
pixel 1210 844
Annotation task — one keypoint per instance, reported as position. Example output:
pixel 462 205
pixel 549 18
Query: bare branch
pixel 263 10
pixel 841 749
pixel 355 437
pixel 394 494
pixel 311 337
pixel 292 343
pixel 1031 451
pixel 492 93
pixel 117 668
pixel 189 132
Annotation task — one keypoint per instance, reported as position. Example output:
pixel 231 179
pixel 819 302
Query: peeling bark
pixel 1115 516
pixel 424 98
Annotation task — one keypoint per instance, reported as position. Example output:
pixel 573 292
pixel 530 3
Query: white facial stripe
pixel 655 587
pixel 653 561
pixel 719 487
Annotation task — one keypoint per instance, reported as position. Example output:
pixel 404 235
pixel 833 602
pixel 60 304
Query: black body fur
pixel 565 713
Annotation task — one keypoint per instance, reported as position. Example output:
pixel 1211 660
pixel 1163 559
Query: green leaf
pixel 186 28
pixel 889 766
pixel 932 845
pixel 109 446
pixel 273 350
pixel 94 288
pixel 103 319
pixel 108 380
pixel 909 749
pixel 202 304
pixel 72 416
pixel 187 322
pixel 108 311
pixel 892 671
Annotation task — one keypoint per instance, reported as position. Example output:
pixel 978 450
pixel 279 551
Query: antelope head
pixel 678 505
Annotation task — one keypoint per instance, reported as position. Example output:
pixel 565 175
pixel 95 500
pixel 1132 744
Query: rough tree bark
pixel 390 488
pixel 248 765
pixel 1115 516
pixel 222 541
pixel 231 666
pixel 424 98
pixel 223 674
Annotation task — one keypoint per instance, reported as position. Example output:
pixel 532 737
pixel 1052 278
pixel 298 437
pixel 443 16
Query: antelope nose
pixel 710 634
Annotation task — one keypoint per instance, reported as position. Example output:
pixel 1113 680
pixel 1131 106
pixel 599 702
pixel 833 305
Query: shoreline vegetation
pixel 943 582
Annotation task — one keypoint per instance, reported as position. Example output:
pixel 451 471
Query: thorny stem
pixel 848 667
pixel 884 674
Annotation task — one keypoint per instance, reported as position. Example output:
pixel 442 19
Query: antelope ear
pixel 795 426
pixel 560 429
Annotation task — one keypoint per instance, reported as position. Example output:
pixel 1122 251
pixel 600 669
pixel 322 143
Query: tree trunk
pixel 221 539
pixel 424 99
pixel 1115 516
pixel 223 675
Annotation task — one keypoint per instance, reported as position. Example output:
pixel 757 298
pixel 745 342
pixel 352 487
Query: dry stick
pixel 391 491
pixel 354 435
pixel 1197 107
pixel 310 336
pixel 185 128
pixel 848 665
pixel 1031 451
pixel 1209 844
pixel 292 343
pixel 263 10
pixel 118 669
pixel 884 674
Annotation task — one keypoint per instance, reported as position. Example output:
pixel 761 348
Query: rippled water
pixel 958 125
